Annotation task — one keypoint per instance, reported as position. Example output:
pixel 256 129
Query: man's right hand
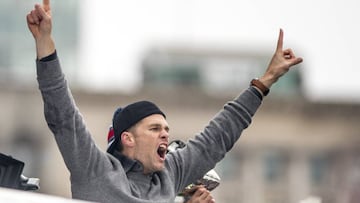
pixel 201 195
pixel 40 26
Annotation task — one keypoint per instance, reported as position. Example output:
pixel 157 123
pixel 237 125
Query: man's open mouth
pixel 162 151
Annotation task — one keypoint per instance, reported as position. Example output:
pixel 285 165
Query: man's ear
pixel 127 139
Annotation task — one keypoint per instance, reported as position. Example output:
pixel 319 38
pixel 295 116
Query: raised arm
pixel 82 157
pixel 210 146
pixel 40 26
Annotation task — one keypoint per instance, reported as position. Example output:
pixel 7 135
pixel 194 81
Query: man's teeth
pixel 162 150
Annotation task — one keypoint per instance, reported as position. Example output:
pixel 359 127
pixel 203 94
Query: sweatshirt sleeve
pixel 82 157
pixel 210 146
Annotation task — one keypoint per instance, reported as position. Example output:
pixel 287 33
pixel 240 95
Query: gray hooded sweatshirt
pixel 101 177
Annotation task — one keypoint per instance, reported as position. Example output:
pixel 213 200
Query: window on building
pixel 17 47
pixel 216 72
pixel 276 180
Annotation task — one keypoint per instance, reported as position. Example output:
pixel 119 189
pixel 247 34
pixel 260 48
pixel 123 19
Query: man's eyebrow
pixel 159 126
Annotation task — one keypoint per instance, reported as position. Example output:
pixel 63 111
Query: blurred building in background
pixel 294 148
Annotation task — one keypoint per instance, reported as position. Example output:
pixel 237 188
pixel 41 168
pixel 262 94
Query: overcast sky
pixel 325 33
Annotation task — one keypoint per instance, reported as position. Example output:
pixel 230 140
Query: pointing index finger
pixel 280 41
pixel 46 5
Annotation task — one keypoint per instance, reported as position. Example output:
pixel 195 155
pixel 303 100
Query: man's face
pixel 151 137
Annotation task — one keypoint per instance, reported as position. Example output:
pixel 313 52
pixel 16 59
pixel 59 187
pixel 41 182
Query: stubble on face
pixel 151 141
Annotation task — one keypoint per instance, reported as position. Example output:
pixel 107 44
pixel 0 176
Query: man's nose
pixel 165 135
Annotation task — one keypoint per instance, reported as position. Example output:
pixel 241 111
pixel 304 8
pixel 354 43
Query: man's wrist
pixel 44 47
pixel 50 57
pixel 260 86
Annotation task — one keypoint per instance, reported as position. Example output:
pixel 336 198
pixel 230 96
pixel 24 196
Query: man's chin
pixel 160 167
pixel 156 168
